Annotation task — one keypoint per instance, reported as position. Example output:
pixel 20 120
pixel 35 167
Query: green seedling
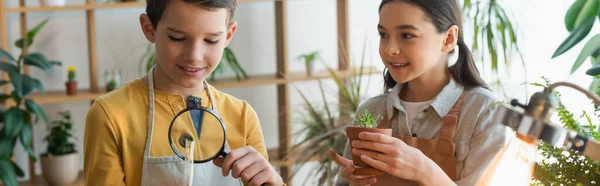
pixel 367 120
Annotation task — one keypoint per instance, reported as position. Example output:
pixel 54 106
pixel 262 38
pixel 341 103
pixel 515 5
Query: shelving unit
pixel 281 79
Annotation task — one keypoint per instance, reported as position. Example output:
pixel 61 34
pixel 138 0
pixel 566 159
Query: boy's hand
pixel 249 165
pixel 348 171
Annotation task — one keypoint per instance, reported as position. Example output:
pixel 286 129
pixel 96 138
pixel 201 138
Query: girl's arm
pixel 102 157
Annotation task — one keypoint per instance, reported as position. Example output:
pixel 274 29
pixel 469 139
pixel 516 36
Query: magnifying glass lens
pixel 203 128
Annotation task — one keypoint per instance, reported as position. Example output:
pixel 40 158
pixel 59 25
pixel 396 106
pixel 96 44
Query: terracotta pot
pixel 363 168
pixel 60 170
pixel 71 88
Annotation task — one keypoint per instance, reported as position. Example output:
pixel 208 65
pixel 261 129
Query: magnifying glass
pixel 205 128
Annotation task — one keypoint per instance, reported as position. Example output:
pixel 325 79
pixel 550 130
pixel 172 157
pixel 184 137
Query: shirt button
pixel 196 100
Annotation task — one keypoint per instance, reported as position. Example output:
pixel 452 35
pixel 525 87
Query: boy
pixel 119 149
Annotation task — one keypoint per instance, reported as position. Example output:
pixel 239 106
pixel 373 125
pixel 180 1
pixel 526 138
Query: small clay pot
pixel 363 168
pixel 71 88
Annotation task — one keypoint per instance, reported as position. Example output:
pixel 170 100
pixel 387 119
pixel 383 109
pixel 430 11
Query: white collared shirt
pixel 477 139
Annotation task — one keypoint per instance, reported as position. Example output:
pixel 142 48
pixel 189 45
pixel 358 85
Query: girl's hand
pixel 393 156
pixel 348 170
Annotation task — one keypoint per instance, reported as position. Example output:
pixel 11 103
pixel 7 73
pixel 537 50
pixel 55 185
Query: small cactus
pixel 71 70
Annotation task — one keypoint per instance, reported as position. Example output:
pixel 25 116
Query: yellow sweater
pixel 117 125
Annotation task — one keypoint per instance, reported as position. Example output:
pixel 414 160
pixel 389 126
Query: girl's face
pixel 410 45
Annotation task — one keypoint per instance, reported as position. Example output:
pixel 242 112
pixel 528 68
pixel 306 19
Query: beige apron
pixel 441 151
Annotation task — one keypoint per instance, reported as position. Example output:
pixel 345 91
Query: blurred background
pixel 525 35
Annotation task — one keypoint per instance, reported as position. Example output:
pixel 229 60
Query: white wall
pixel 311 26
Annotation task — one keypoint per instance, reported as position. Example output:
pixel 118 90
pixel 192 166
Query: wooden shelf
pixel 51 97
pixel 94 6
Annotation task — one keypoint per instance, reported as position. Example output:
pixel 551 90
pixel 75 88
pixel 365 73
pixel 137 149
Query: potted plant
pixel 60 163
pixel 20 126
pixel 366 122
pixel 71 83
pixel 53 2
pixel 113 80
pixel 309 60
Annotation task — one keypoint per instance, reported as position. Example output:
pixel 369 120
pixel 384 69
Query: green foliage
pixel 565 167
pixel 579 20
pixel 323 128
pixel 494 34
pixel 60 132
pixel 17 119
pixel 367 120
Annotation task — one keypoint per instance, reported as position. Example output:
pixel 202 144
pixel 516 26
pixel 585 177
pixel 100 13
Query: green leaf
pixel 3 82
pixel 55 63
pixel 38 60
pixel 33 32
pixel 7 145
pixel 29 84
pixel 491 48
pixel 9 67
pixel 36 109
pixel 25 138
pixel 14 122
pixel 588 11
pixel 19 172
pixel 573 13
pixel 594 71
pixel 575 37
pixel 7 173
pixel 6 55
pixel 590 47
pixel 23 43
pixel 3 97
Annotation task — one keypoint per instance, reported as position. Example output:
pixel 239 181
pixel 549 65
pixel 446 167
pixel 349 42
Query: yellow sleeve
pixel 254 135
pixel 102 156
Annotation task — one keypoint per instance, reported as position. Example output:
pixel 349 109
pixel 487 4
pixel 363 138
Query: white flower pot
pixel 60 170
pixel 53 2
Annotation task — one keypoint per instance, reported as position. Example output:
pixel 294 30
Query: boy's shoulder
pixel 131 91
pixel 230 102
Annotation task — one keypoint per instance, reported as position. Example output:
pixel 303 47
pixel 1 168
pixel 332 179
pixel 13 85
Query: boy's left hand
pixel 249 165
pixel 391 155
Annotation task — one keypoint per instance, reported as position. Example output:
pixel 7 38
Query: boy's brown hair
pixel 156 8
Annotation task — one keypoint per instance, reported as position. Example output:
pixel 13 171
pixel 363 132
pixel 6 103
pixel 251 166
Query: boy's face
pixel 189 41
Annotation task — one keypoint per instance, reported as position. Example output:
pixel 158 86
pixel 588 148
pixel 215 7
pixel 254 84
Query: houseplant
pixel 323 125
pixel 60 163
pixel 17 120
pixel 495 39
pixel 366 122
pixel 71 83
pixel 309 60
pixel 559 166
pixel 53 2
pixel 113 79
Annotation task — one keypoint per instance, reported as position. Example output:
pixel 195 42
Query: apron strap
pixel 450 121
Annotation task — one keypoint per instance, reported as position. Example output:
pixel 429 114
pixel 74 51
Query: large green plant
pixel 565 167
pixel 148 60
pixel 17 122
pixel 58 138
pixel 324 124
pixel 494 35
pixel 579 20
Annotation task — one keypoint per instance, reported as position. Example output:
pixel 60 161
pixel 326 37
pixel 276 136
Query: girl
pixel 440 114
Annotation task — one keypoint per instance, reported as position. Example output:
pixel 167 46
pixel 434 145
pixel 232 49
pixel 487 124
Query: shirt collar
pixel 442 103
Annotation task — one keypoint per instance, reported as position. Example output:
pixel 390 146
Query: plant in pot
pixel 366 122
pixel 113 79
pixel 71 83
pixel 309 60
pixel 17 120
pixel 49 3
pixel 60 163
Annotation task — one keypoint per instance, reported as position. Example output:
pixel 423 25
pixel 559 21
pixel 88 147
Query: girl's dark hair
pixel 444 14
